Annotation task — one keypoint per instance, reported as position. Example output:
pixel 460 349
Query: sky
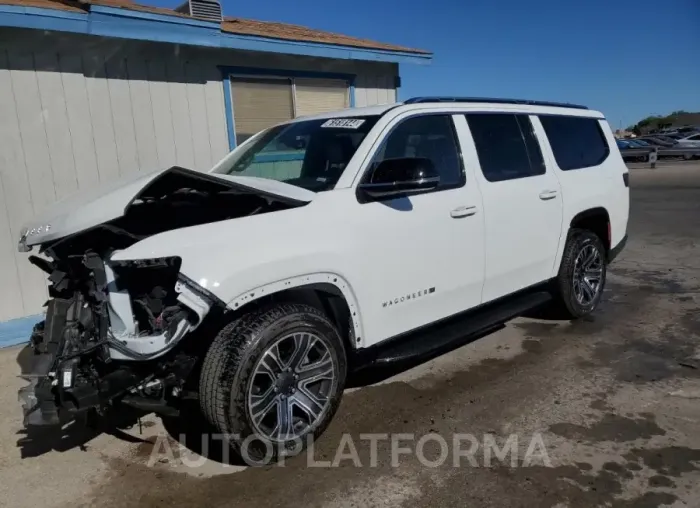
pixel 628 59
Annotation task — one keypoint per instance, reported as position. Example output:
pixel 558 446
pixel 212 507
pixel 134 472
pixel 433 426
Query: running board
pixel 458 330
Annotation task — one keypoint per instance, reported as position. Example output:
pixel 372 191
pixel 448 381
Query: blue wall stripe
pixel 17 331
pixel 287 73
pixel 352 92
pixel 131 24
pixel 228 104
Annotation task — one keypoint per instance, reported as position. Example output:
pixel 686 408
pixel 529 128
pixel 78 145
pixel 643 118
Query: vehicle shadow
pixel 193 432
pixel 546 313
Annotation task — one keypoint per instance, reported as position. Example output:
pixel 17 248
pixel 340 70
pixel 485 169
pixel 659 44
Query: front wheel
pixel 582 274
pixel 272 381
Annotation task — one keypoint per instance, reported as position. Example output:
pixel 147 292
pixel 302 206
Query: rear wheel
pixel 581 279
pixel 273 380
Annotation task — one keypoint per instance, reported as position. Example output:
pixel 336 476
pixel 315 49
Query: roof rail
pixel 420 100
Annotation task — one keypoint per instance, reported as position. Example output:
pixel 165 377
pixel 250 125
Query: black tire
pixel 228 369
pixel 566 301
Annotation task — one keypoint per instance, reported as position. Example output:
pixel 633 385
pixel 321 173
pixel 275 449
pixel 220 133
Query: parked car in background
pixel 690 141
pixel 668 139
pixel 658 141
pixel 670 148
pixel 688 130
pixel 633 152
pixel 639 142
pixel 666 147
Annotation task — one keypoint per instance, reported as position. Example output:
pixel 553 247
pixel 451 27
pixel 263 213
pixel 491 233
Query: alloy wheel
pixel 588 274
pixel 291 386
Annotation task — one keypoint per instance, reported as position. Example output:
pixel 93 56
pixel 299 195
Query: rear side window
pixel 577 142
pixel 506 146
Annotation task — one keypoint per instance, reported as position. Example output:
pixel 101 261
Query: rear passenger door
pixel 522 202
pixel 590 174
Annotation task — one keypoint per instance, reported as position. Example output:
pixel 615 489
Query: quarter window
pixel 577 142
pixel 429 136
pixel 506 145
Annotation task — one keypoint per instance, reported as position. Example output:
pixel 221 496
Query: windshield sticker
pixel 343 123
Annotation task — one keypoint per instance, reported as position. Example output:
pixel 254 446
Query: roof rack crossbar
pixel 419 100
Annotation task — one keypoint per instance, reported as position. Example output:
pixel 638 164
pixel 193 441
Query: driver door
pixel 421 256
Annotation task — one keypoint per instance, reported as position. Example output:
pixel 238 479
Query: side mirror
pixel 401 176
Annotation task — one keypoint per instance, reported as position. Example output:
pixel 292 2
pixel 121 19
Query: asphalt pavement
pixel 599 412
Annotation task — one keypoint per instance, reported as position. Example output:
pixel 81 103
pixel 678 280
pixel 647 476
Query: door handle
pixel 463 211
pixel 548 194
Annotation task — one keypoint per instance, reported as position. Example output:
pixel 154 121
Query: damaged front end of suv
pixel 113 331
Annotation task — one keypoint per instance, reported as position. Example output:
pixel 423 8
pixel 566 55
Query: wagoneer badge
pixel 411 296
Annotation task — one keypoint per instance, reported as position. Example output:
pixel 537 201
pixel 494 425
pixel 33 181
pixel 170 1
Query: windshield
pixel 311 154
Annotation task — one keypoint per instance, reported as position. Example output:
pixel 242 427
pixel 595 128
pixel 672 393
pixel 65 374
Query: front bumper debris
pixel 39 363
pixel 36 360
pixel 75 363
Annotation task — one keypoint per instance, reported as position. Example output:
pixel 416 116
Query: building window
pixel 259 103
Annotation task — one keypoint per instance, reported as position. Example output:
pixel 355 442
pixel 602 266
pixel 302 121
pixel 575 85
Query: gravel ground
pixel 606 411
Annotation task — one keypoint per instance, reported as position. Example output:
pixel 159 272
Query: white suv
pixel 315 248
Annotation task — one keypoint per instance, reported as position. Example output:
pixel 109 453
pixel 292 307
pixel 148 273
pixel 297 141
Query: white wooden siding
pixel 100 118
pixel 142 114
pixel 81 132
pixel 374 89
pixel 74 113
pixel 162 113
pixel 69 121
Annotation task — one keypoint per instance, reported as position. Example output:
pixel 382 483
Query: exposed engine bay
pixel 113 330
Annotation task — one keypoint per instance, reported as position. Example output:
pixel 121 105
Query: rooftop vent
pixel 209 10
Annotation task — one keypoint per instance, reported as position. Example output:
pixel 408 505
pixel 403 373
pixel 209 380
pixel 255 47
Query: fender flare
pixel 309 279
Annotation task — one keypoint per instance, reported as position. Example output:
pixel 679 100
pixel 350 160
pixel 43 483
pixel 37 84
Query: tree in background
pixel 656 123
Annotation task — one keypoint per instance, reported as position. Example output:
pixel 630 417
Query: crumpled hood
pixel 110 201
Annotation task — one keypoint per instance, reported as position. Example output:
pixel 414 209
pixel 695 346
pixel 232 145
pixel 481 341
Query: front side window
pixel 506 145
pixel 427 136
pixel 577 142
pixel 311 154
